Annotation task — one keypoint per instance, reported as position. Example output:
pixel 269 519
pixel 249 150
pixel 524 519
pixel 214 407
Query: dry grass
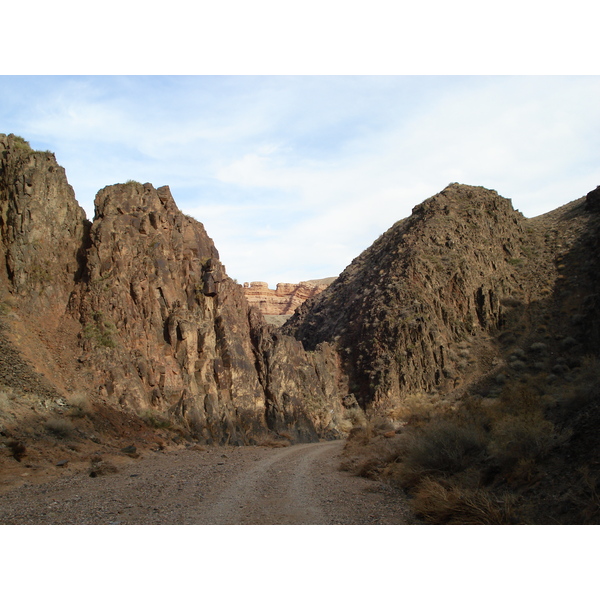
pixel 272 441
pixel 442 504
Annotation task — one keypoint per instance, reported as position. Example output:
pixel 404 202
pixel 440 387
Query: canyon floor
pixel 199 485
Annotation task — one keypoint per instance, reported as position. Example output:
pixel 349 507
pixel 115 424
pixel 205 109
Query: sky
pixel 294 176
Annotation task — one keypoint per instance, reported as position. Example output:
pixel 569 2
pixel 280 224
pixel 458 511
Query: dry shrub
pixel 585 391
pixel 444 446
pixel 442 504
pixel 416 408
pixel 519 399
pixel 101 467
pixel 272 441
pixel 80 406
pixel 367 455
pixel 524 472
pixel 17 449
pixel 524 437
pixel 61 428
pixel 587 496
pixel 356 416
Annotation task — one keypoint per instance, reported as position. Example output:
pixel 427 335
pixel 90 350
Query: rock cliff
pixel 285 298
pixel 138 307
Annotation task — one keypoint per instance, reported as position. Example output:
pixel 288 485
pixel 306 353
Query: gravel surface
pixel 298 484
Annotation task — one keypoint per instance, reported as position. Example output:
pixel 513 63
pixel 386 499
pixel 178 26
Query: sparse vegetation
pixel 471 464
pixel 21 143
pixel 101 331
pixel 17 449
pixel 59 427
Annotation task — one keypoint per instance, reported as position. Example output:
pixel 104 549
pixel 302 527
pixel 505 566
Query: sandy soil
pixel 225 485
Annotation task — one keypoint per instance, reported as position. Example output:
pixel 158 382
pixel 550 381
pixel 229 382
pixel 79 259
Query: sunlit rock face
pixel 138 308
pixel 284 299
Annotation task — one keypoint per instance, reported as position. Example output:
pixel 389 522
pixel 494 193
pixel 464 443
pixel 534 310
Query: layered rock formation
pixel 285 298
pixel 145 313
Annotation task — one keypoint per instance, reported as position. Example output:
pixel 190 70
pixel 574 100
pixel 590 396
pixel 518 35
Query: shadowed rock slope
pixel 136 310
pixel 472 336
pixel 421 309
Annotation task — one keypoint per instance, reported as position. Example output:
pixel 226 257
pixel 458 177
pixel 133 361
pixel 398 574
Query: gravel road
pixel 298 484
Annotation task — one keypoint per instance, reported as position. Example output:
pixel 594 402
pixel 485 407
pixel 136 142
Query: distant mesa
pixel 279 304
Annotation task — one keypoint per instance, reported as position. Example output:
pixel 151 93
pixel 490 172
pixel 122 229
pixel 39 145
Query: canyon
pixel 457 355
pixel 279 304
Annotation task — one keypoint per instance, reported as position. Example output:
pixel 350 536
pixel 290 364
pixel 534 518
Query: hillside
pixel 472 332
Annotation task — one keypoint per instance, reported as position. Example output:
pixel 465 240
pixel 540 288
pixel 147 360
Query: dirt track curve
pixel 299 484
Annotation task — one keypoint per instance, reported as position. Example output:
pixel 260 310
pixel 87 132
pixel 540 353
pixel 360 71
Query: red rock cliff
pixel 285 298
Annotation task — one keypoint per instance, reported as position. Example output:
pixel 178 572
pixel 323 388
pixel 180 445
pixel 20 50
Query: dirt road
pixel 226 485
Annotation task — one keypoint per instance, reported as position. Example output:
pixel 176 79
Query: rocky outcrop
pixel 42 228
pixel 285 298
pixel 152 320
pixel 414 312
pixel 167 328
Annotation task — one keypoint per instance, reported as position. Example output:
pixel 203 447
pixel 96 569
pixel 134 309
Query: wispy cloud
pixel 294 176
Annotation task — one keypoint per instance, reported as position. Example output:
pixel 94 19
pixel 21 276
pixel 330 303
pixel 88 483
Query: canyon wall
pixel 285 298
pixel 137 309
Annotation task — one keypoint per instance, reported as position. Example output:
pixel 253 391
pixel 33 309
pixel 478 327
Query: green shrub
pixel 156 420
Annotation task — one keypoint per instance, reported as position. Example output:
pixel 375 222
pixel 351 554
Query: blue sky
pixel 293 176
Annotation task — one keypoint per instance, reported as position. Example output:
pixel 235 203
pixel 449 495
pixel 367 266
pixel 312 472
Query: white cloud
pixel 293 177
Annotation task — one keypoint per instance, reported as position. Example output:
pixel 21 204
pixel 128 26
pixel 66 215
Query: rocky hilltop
pixel 474 332
pixel 285 298
pixel 419 309
pixel 136 311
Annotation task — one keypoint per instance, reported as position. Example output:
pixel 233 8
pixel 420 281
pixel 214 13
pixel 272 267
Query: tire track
pixel 278 490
